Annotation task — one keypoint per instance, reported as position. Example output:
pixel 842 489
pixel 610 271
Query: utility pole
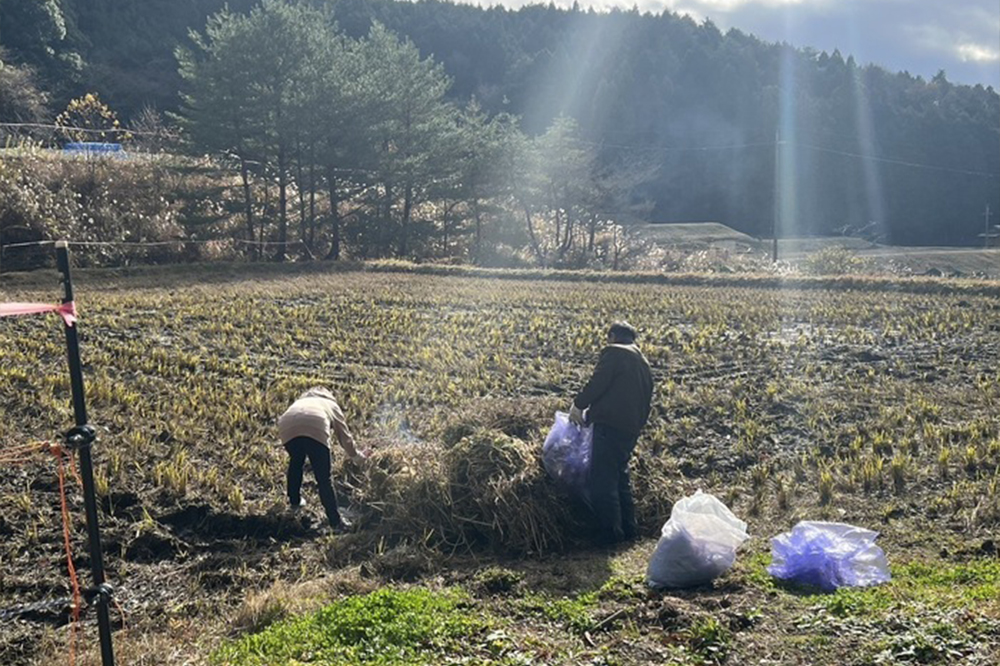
pixel 986 228
pixel 777 196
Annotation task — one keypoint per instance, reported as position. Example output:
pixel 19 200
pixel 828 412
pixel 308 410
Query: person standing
pixel 305 430
pixel 617 401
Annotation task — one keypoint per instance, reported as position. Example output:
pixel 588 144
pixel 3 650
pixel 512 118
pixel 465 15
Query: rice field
pixel 867 401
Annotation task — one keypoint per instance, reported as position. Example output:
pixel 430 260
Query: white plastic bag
pixel 828 555
pixel 697 544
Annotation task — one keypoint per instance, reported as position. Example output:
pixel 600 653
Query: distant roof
pixel 693 232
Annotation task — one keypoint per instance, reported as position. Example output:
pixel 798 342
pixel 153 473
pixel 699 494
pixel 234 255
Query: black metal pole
pixel 81 438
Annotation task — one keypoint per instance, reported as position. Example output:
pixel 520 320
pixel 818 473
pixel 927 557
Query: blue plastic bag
pixel 828 556
pixel 566 453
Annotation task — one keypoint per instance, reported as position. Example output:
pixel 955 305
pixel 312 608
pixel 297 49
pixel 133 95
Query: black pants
pixel 610 486
pixel 299 449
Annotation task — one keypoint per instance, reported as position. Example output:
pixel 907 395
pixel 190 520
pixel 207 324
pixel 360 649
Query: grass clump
pixel 709 640
pixel 498 580
pixel 384 628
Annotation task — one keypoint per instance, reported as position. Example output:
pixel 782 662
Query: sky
pixel 922 37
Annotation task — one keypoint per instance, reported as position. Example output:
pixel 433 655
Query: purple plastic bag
pixel 566 453
pixel 828 556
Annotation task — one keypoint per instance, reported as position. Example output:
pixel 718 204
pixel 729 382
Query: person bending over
pixel 305 429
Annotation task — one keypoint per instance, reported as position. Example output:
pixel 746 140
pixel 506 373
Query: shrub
pixel 45 195
pixel 836 261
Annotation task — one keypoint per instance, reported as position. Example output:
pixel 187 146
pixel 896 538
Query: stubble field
pixel 869 402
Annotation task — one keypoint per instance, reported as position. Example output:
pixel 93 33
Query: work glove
pixel 360 456
pixel 576 415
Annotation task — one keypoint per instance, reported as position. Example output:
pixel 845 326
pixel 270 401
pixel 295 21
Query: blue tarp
pixel 94 147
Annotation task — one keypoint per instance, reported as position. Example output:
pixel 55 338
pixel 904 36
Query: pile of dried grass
pixel 483 486
pixel 488 490
pixel 526 419
pixel 501 496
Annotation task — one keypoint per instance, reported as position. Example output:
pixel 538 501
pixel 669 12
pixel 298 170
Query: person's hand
pixel 576 415
pixel 361 455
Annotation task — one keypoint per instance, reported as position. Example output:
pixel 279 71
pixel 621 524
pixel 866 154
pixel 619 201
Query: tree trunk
pixel 567 241
pixel 303 232
pixel 331 180
pixel 282 204
pixel 247 199
pixel 385 222
pixel 614 244
pixel 312 195
pixel 404 231
pixel 558 227
pixel 263 219
pixel 447 214
pixel 479 231
pixel 532 236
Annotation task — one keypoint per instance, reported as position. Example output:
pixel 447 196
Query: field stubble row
pixel 873 407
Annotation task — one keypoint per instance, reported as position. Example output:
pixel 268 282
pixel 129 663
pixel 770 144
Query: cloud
pixel 922 37
pixel 919 36
pixel 977 53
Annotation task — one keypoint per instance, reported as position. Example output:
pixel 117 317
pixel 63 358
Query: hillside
pixel 692 108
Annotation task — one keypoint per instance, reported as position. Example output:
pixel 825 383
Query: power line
pixel 140 244
pixel 771 144
pixel 89 130
pixel 667 149
pixel 887 160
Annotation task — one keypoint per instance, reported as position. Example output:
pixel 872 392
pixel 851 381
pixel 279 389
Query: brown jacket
pixel 316 415
pixel 620 391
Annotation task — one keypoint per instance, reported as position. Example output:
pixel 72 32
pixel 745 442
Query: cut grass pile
pixel 487 490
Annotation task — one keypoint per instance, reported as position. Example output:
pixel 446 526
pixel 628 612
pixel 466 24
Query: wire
pixel 772 144
pixel 74 580
pixel 667 149
pixel 139 244
pixel 887 160
pixel 91 130
pixel 26 244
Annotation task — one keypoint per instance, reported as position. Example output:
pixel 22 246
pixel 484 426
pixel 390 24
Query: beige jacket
pixel 316 415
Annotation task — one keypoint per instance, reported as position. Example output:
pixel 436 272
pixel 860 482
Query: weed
pixel 709 639
pixel 498 580
pixel 825 487
pixel 900 463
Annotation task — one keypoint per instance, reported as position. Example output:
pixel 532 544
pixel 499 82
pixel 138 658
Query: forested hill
pixel 865 150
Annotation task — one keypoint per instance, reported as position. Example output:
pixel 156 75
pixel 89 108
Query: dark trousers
pixel 299 449
pixel 610 486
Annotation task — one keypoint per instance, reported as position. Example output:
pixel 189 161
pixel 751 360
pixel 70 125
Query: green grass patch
pixel 574 613
pixel 936 584
pixel 940 585
pixel 623 588
pixel 388 627
pixel 752 570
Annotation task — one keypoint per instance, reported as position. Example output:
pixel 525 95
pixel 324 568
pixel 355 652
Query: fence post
pixel 81 438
